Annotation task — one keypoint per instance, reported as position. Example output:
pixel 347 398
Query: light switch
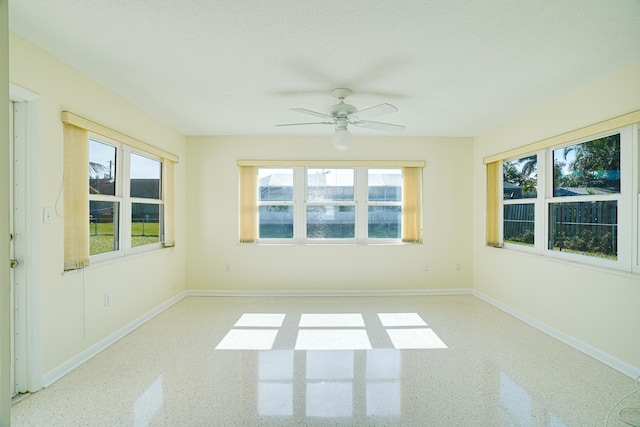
pixel 48 215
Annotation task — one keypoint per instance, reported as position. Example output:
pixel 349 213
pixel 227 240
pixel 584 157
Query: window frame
pixel 370 203
pixel 300 203
pixel 122 195
pixel 160 201
pixel 623 199
pixel 291 203
pixel 628 203
pixel 538 234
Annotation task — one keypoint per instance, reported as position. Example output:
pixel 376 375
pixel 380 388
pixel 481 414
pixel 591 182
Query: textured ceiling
pixel 452 67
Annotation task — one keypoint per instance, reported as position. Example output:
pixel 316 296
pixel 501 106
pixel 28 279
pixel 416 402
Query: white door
pixel 17 225
pixel 11 246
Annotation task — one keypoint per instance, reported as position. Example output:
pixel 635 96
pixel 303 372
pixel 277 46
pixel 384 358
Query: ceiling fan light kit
pixel 342 139
pixel 341 115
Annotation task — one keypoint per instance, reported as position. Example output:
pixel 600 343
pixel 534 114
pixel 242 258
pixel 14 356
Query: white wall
pixel 73 312
pixel 212 229
pixel 601 309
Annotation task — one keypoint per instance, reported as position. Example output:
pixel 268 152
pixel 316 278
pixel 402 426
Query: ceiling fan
pixel 342 115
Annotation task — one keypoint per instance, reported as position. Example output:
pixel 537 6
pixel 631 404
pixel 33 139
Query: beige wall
pixel 212 200
pixel 73 312
pixel 596 307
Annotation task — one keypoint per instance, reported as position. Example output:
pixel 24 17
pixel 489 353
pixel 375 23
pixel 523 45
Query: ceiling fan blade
pixel 386 127
pixel 301 124
pixel 313 113
pixel 377 110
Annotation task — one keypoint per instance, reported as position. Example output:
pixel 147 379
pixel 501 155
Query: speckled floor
pixel 319 361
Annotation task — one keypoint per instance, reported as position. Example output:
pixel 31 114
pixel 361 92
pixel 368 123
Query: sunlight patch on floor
pixel 401 319
pixel 248 339
pixel 258 320
pixel 423 338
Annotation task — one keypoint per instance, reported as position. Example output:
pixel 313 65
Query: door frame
pixel 30 106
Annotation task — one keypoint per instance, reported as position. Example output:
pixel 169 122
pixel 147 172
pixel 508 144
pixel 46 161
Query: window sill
pixel 116 259
pixel 332 243
pixel 602 269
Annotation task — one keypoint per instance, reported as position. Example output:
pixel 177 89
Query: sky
pixel 142 167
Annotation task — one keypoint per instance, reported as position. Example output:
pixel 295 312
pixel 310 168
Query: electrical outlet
pixel 227 267
pixel 425 266
pixel 457 266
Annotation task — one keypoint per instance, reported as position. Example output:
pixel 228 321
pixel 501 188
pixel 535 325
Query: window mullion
pixel 125 187
pixel 299 205
pixel 635 199
pixel 362 208
pixel 540 218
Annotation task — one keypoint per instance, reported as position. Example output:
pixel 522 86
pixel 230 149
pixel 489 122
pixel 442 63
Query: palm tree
pixel 597 162
pixel 523 173
pixel 97 171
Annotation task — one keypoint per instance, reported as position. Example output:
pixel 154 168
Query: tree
pixel 596 164
pixel 523 173
pixel 97 169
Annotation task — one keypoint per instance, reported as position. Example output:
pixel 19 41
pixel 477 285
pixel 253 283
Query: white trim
pixel 33 220
pixel 93 127
pixel 334 163
pixel 20 94
pixel 327 293
pixel 589 350
pixel 66 367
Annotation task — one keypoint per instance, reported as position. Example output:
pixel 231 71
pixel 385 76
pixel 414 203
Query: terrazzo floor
pixel 326 361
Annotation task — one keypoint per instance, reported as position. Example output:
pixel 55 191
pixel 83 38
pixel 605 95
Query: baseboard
pixel 327 293
pixel 66 367
pixel 607 359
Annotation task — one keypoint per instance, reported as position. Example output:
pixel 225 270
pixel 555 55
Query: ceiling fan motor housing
pixel 341 110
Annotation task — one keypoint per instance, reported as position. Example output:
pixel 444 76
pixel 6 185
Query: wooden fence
pixel 578 226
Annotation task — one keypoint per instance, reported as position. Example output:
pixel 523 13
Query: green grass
pixel 101 236
pixel 588 253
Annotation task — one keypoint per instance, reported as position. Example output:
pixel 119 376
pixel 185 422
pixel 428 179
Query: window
pixel 104 202
pixel 384 201
pixel 145 177
pixel 125 198
pixel 275 214
pixel 336 203
pixel 583 212
pixel 519 194
pixel 126 204
pixel 330 208
pixel 577 200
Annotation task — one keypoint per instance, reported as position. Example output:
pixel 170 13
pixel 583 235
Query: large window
pixel 315 204
pixel 576 201
pixel 125 198
pixel 118 194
